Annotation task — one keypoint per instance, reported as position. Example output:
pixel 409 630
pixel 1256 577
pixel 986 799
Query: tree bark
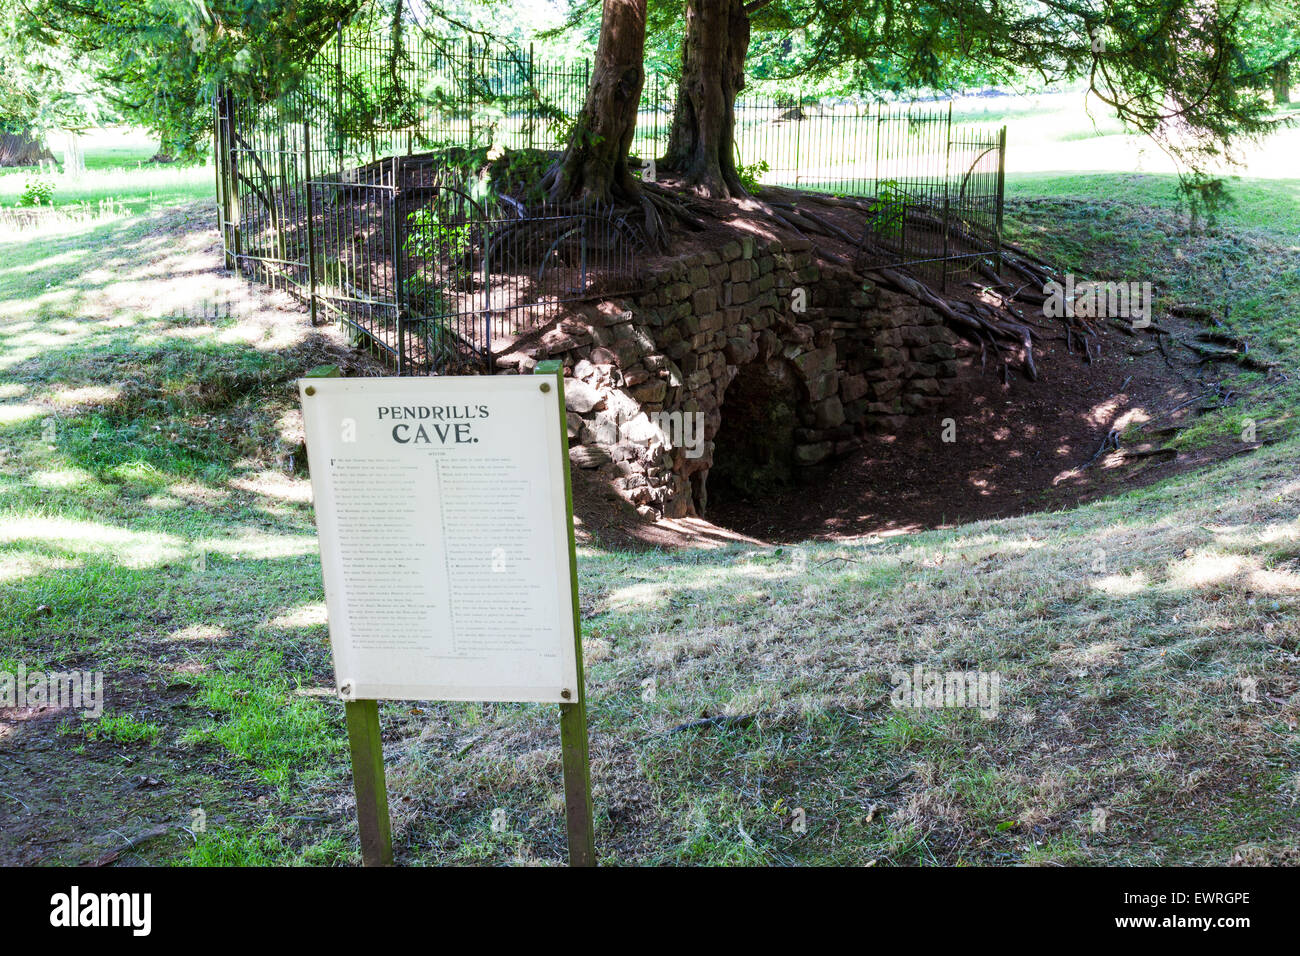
pixel 702 142
pixel 1282 82
pixel 594 166
pixel 22 149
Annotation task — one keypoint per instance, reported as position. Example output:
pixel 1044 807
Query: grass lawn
pixel 155 524
pixel 119 178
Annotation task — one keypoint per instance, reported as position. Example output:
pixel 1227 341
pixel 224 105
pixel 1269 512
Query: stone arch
pixel 761 411
pixel 654 379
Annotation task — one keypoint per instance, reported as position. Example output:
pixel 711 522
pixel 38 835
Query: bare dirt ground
pixel 1018 447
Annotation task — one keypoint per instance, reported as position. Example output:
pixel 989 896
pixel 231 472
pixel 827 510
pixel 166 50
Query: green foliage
pixel 1206 196
pixel 443 248
pixel 1269 41
pixel 750 175
pixel 441 343
pixel 255 715
pixel 890 208
pixel 1165 68
pixel 424 296
pixel 37 192
pixel 122 729
pixel 161 61
pixel 428 237
pixel 43 86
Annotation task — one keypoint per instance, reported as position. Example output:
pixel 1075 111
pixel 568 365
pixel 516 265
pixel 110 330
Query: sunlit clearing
pixel 274 484
pixel 62 478
pixel 1122 585
pixel 305 615
pixel 85 395
pixel 1274 582
pixel 16 566
pixel 645 593
pixel 1202 569
pixel 253 544
pixel 10 414
pixel 199 632
pixel 129 548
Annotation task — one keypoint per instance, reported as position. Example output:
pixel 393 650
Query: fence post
pixel 367 749
pixel 235 212
pixel 487 300
pixel 398 294
pixel 1002 178
pixel 470 88
pixel 311 220
pixel 878 131
pixel 947 195
pixel 338 95
pixel 798 133
pixel 280 198
pixel 575 756
pixel 219 167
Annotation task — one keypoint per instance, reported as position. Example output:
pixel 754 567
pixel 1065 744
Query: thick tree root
pixel 973 320
pixel 669 207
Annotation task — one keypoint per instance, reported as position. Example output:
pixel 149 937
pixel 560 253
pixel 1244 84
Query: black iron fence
pixel 932 187
pixel 374 192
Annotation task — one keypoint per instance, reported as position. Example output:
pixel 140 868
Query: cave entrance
pixel 753 451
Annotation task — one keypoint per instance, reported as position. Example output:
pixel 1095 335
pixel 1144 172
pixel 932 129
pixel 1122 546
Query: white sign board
pixel 444 536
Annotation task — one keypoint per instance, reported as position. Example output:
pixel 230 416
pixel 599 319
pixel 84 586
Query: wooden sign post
pixel 573 717
pixel 368 781
pixel 424 602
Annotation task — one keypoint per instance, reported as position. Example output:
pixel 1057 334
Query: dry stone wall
pixel 648 376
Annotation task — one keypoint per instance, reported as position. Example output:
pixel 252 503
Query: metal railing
pixel 365 193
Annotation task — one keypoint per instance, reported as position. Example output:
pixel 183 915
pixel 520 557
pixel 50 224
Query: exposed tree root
pixel 978 322
pixel 975 321
pixel 860 244
pixel 672 207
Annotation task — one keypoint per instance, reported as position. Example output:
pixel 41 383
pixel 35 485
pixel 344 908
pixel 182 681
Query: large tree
pixel 594 166
pixel 42 89
pixel 701 143
pixel 1269 47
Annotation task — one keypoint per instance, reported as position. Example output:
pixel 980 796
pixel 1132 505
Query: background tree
pixel 42 89
pixel 1169 68
pixel 701 143
pixel 158 63
pixel 1270 47
pixel 1164 67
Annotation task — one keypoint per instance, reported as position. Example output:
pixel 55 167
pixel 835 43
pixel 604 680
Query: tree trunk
pixel 22 149
pixel 702 144
pixel 594 166
pixel 1282 82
